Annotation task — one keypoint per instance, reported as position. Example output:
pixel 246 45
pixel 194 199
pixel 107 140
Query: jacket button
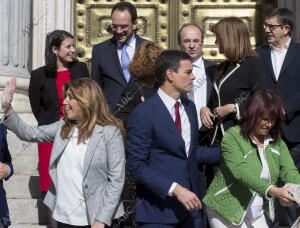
pixel 86 186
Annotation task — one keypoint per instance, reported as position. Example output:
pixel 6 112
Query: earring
pixel 56 54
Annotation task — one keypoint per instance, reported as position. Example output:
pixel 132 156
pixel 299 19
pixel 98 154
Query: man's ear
pixel 286 29
pixel 134 25
pixel 169 75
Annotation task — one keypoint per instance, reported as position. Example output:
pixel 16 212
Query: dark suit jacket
pixel 107 70
pixel 157 158
pixel 130 98
pixel 236 86
pixel 210 68
pixel 4 158
pixel 43 94
pixel 287 86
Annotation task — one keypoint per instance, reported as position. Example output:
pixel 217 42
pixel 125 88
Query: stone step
pixel 25 164
pixel 27 211
pixel 27 226
pixel 23 187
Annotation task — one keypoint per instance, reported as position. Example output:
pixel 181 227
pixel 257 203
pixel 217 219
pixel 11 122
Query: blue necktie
pixel 191 95
pixel 125 62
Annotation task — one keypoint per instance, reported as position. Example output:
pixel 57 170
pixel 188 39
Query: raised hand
pixel 8 93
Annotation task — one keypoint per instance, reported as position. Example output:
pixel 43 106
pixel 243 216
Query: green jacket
pixel 239 174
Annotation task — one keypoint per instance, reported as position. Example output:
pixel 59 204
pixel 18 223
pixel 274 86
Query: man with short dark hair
pixel 111 58
pixel 281 58
pixel 162 149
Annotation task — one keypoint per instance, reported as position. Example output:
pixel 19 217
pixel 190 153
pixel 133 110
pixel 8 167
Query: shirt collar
pixel 285 46
pixel 199 62
pixel 168 101
pixel 267 139
pixel 130 42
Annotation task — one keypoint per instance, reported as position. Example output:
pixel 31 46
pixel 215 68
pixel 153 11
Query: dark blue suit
pixel 6 159
pixel 157 158
pixel 107 70
pixel 288 87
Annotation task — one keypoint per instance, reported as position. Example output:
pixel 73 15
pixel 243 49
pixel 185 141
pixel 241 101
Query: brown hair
pixel 142 64
pixel 93 109
pixel 233 36
pixel 260 103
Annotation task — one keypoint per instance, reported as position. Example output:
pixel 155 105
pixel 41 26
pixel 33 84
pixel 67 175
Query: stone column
pixel 49 15
pixel 15 30
pixel 23 30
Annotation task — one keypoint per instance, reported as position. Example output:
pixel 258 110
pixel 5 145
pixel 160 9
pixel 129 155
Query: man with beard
pixel 281 58
pixel 111 58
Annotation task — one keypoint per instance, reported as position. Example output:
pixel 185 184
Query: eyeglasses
pixel 271 27
pixel 114 26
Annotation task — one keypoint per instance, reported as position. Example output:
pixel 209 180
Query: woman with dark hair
pixel 236 78
pixel 87 163
pixel 45 91
pixel 253 158
pixel 141 86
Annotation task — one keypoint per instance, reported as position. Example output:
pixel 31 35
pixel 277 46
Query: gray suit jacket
pixel 103 170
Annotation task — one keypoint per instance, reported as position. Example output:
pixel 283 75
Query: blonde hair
pixel 233 36
pixel 93 109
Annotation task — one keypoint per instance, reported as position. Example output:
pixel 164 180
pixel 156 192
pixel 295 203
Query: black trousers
pixel 115 224
pixel 63 225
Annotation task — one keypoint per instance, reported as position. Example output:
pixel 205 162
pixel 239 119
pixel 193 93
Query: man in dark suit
pixel 281 59
pixel 163 150
pixel 110 59
pixel 6 170
pixel 190 40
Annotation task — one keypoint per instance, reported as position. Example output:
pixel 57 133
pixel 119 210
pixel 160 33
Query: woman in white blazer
pixel 87 163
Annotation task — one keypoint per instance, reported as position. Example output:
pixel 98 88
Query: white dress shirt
pixel 277 57
pixel 130 49
pixel 70 205
pixel 255 207
pixel 185 123
pixel 200 87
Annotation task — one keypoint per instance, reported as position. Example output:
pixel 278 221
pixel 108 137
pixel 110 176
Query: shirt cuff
pixel 170 193
pixel 9 171
pixel 266 194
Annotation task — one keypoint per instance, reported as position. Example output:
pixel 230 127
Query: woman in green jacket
pixel 253 158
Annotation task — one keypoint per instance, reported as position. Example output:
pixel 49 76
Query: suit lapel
pixel 138 41
pixel 116 59
pixel 193 124
pixel 208 82
pixel 289 55
pixel 268 61
pixel 93 143
pixel 57 150
pixel 168 122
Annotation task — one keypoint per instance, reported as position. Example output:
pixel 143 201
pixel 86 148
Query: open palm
pixel 8 93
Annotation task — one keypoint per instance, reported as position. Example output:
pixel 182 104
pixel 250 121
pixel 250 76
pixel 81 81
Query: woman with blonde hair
pixel 87 163
pixel 240 75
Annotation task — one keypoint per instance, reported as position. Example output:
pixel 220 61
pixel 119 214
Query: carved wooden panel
pixel 93 23
pixel 159 21
pixel 206 13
